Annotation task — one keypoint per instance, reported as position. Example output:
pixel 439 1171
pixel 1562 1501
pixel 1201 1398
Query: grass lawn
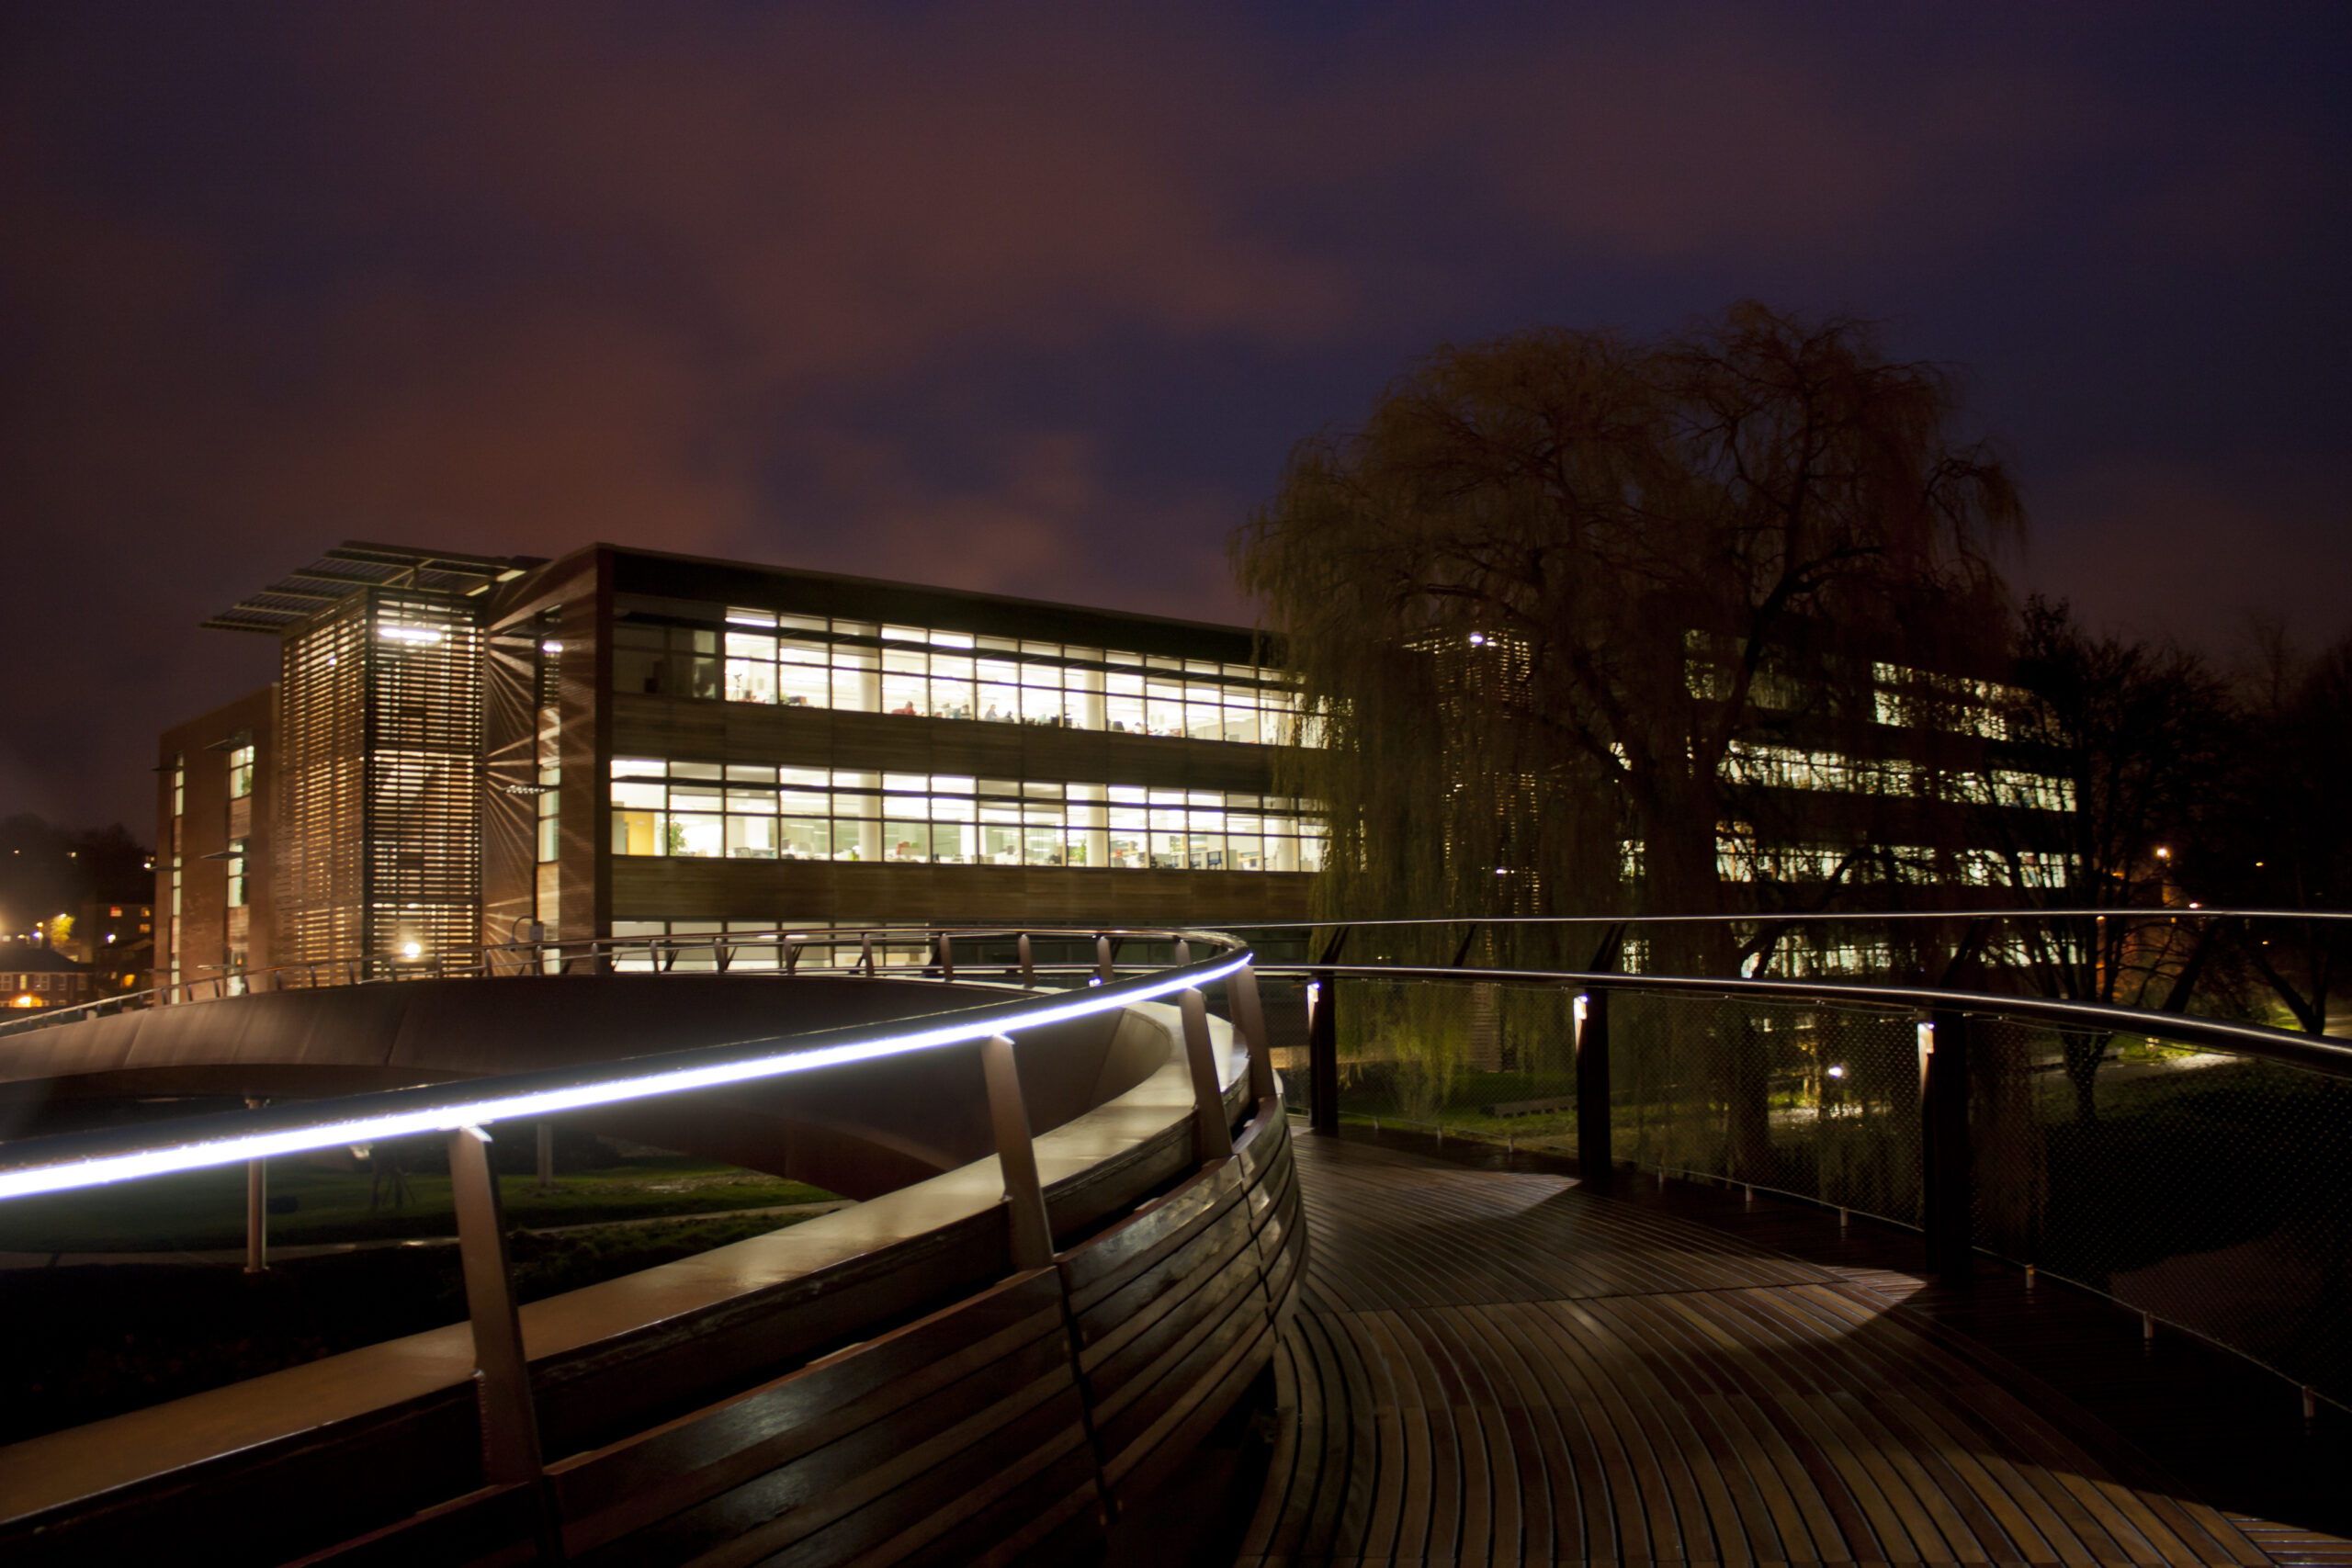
pixel 205 1210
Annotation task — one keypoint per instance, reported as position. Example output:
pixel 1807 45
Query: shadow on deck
pixel 1491 1365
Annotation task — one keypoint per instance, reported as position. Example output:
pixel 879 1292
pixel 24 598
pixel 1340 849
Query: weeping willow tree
pixel 1590 625
pixel 1568 604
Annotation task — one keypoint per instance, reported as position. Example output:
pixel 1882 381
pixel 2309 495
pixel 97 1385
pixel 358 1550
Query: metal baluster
pixel 1025 1197
pixel 1213 1140
pixel 1323 1055
pixel 256 1207
pixel 1595 1159
pixel 510 1421
pixel 1943 1150
pixel 1250 1017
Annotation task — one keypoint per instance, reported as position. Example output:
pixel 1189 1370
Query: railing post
pixel 509 1422
pixel 1250 1017
pixel 944 947
pixel 1103 957
pixel 256 1207
pixel 1028 964
pixel 791 955
pixel 1596 1159
pixel 1949 1199
pixel 1212 1137
pixel 1025 1196
pixel 1323 1055
pixel 865 953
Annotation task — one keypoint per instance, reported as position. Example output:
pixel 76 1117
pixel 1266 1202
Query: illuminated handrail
pixel 1200 1145
pixel 68 1161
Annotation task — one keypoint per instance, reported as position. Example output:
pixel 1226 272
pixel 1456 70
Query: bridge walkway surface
pixel 1494 1366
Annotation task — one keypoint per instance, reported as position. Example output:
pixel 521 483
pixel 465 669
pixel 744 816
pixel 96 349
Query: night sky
pixel 1033 299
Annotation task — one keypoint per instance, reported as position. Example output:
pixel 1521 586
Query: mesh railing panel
pixel 1820 1102
pixel 1499 1061
pixel 2212 1190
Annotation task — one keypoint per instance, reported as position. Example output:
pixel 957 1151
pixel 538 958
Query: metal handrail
pixel 505 1399
pixel 1944 1092
pixel 2315 1053
pixel 566 952
pixel 2164 911
pixel 65 1161
pixel 531 958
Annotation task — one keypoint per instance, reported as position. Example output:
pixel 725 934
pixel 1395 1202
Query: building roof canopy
pixel 357 564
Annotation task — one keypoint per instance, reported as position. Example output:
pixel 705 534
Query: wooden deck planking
pixel 1496 1367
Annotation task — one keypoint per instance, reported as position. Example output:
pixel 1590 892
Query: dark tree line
pixel 46 870
pixel 1572 611
pixel 2197 785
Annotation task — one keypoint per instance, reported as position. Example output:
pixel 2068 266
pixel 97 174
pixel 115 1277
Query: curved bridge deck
pixel 1491 1367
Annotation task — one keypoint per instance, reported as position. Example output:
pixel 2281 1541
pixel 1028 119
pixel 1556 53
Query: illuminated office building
pixel 622 742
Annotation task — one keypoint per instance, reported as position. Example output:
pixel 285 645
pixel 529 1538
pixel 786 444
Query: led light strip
pixel 72 1175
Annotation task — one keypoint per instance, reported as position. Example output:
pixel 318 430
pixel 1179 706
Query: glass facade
pixel 917 671
pixel 737 812
pixel 177 946
pixel 1794 767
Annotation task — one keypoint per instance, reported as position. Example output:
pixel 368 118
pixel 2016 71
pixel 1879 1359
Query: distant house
pixel 34 975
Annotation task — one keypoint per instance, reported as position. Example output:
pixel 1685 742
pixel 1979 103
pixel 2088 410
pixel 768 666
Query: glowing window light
pixel 415 636
pixel 69 1176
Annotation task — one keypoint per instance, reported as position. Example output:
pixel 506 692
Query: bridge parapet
pixel 895 1379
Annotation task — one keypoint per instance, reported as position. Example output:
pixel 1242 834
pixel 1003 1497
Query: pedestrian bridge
pixel 1490 1367
pixel 1090 1240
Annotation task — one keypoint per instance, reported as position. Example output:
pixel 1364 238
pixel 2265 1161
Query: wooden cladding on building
pixel 382 762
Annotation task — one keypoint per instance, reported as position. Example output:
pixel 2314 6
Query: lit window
pixel 682 810
pixel 768 659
